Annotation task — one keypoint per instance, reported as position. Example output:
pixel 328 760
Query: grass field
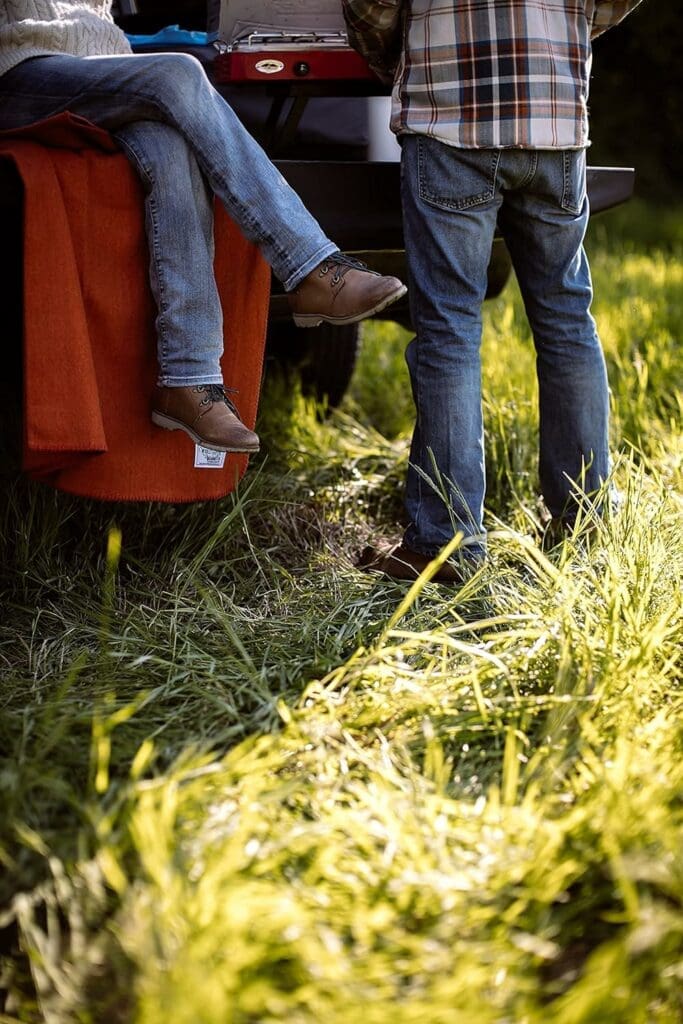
pixel 242 782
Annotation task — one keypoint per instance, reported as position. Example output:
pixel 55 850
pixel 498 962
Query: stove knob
pixel 301 68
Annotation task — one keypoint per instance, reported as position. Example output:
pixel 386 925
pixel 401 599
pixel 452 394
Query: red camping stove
pixel 285 40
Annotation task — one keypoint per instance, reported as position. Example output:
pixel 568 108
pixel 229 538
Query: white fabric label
pixel 207 458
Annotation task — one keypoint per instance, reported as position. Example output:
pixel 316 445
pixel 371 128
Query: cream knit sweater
pixel 35 28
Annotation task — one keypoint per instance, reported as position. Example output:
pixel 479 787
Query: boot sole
pixel 168 423
pixel 315 319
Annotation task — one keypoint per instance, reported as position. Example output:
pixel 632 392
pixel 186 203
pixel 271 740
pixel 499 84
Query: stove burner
pixel 256 40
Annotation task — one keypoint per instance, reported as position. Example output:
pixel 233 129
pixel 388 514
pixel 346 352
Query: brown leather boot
pixel 342 290
pixel 205 412
pixel 402 563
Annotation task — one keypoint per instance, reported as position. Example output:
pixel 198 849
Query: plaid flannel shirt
pixel 486 73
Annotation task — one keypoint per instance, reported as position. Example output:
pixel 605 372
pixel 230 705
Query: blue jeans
pixel 452 200
pixel 188 145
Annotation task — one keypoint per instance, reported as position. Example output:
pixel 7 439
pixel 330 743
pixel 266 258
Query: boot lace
pixel 218 393
pixel 340 264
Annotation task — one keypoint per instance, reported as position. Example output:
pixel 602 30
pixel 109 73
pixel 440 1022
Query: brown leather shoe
pixel 402 563
pixel 555 530
pixel 342 290
pixel 205 412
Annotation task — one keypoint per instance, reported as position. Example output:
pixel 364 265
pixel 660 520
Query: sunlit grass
pixel 241 782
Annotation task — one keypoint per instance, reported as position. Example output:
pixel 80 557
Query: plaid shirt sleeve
pixel 374 29
pixel 609 13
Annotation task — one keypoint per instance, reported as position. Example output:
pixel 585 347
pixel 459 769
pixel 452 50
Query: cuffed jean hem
pixel 188 382
pixel 311 263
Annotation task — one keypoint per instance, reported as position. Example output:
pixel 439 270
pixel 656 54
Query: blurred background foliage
pixel 637 99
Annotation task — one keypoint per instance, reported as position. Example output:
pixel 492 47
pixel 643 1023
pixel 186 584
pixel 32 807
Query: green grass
pixel 242 782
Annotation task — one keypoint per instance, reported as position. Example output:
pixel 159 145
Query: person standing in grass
pixel 490 107
pixel 188 145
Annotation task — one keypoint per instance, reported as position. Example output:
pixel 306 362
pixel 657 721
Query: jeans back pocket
pixel 455 179
pixel 573 185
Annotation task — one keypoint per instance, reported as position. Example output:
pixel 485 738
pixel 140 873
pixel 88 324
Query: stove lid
pixel 239 19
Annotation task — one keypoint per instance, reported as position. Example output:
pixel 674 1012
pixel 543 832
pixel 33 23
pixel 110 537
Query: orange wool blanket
pixel 89 341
